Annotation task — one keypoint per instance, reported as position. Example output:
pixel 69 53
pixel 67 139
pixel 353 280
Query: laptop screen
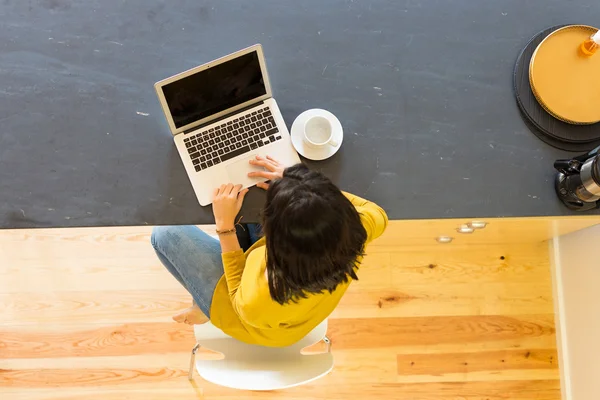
pixel 215 89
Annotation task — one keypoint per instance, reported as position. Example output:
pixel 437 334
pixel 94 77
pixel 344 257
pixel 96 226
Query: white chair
pixel 252 367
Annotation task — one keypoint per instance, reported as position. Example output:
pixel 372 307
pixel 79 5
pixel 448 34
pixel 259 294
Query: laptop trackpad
pixel 238 172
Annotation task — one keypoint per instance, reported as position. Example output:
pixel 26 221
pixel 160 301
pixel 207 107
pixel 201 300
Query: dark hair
pixel 313 233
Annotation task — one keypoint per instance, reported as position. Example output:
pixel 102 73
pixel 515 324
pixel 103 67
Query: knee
pixel 162 236
pixel 155 237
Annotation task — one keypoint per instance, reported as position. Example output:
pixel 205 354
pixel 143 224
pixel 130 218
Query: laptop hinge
pixel 222 118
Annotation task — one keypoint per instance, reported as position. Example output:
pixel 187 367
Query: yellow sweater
pixel 242 306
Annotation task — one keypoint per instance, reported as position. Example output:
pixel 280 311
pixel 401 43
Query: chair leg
pixel 193 361
pixel 328 343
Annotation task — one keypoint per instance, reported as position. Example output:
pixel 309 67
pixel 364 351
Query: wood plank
pixel 95 341
pixel 174 360
pixel 483 376
pixel 411 233
pixel 388 332
pixel 465 362
pixel 61 271
pixel 362 301
pixel 53 259
pixel 165 370
pixel 480 265
pixel 377 273
pixel 118 274
pixel 181 341
pixel 481 365
pixel 503 390
pixel 161 378
pixel 111 306
pixel 89 377
pixel 137 338
pixel 77 235
pixel 357 366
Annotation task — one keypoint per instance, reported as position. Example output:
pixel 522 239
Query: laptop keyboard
pixel 231 139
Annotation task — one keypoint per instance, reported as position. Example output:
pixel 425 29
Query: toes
pixel 179 318
pixel 191 316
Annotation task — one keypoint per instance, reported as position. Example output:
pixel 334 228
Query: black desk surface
pixel 423 89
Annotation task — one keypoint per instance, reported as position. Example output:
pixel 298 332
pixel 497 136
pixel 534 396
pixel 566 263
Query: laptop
pixel 221 115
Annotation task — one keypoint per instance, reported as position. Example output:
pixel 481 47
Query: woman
pixel 288 282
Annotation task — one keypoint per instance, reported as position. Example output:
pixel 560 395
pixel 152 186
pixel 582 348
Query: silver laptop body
pixel 221 115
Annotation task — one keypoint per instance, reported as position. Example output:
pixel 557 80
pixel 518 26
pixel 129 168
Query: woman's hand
pixel 227 202
pixel 274 170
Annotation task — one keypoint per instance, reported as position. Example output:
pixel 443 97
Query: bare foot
pixel 191 316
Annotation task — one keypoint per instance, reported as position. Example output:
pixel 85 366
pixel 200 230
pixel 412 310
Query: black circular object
pixel 559 144
pixel 549 129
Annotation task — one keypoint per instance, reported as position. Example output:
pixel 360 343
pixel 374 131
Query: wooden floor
pixel 85 314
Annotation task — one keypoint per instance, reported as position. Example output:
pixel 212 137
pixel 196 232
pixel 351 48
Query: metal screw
pixel 465 228
pixel 477 224
pixel 444 239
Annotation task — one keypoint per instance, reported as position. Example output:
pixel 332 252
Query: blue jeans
pixel 194 259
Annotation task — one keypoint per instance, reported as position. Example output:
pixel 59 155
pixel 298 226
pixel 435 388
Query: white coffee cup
pixel 318 132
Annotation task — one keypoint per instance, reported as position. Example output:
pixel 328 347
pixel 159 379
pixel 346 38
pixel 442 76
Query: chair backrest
pixel 253 367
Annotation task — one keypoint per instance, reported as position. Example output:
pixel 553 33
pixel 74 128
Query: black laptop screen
pixel 215 89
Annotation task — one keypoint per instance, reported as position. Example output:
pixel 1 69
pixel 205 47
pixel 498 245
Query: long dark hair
pixel 313 234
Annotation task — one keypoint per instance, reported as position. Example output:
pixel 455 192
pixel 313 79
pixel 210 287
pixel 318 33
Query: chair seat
pixel 252 367
pixel 270 374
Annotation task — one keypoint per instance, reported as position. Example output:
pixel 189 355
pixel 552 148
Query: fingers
pixel 242 194
pixel 263 185
pixel 240 199
pixel 273 160
pixel 230 189
pixel 262 174
pixel 226 189
pixel 263 162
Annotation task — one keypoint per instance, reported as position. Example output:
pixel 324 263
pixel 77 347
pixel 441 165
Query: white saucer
pixel 297 134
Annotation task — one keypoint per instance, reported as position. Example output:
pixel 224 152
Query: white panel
pixel 577 299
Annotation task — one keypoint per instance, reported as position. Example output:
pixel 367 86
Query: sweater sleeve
pixel 373 217
pixel 233 264
pixel 246 303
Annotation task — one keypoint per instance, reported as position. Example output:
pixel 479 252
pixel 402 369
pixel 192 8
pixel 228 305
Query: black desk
pixel 423 89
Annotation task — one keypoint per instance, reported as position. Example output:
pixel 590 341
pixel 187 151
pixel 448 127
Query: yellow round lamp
pixel 564 74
